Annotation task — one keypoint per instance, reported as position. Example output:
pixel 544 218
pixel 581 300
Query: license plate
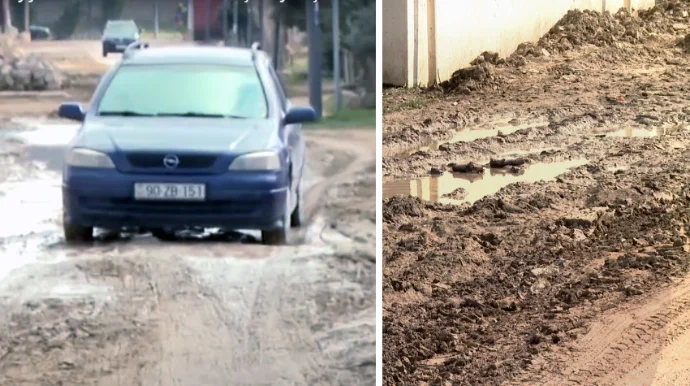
pixel 173 192
pixel 120 46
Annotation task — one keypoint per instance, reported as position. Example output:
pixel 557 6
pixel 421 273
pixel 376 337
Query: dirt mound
pixel 578 28
pixel 478 75
pixel 20 72
pixel 667 17
pixel 399 206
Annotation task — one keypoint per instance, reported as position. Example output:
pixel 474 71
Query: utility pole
pixel 336 54
pixel 6 16
pixel 225 21
pixel 276 44
pixel 261 22
pixel 208 20
pixel 26 16
pixel 249 24
pixel 155 19
pixel 190 18
pixel 314 33
pixel 235 19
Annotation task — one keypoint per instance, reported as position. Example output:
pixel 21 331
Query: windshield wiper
pixel 199 115
pixel 124 113
pixel 191 114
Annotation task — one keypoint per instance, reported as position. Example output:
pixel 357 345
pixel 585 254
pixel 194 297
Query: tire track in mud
pixel 624 348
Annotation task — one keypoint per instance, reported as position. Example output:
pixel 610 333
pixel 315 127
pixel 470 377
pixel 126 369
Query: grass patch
pixel 362 118
pixel 412 104
pixel 297 73
pixel 162 34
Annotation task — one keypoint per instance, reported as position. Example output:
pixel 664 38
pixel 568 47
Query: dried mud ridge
pixel 474 294
pixel 502 291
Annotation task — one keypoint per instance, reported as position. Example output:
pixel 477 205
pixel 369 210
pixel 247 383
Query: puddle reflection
pixel 636 133
pixel 476 186
pixel 505 126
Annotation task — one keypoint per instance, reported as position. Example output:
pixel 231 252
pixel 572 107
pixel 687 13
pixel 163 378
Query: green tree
pixel 66 24
pixel 357 29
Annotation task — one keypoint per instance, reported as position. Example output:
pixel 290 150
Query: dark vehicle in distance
pixel 186 137
pixel 40 33
pixel 118 34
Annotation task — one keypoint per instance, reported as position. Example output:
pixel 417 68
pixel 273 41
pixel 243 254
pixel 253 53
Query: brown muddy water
pixel 461 188
pixel 504 126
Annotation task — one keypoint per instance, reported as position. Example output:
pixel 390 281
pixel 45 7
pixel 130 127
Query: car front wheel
pixel 105 52
pixel 279 236
pixel 163 234
pixel 297 216
pixel 76 234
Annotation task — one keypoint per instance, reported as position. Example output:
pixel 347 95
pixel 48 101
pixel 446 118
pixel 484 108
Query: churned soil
pixel 576 279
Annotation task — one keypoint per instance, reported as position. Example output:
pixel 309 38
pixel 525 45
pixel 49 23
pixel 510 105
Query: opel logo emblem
pixel 171 161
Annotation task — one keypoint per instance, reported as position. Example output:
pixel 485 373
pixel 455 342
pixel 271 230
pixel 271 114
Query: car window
pixel 121 29
pixel 279 87
pixel 229 91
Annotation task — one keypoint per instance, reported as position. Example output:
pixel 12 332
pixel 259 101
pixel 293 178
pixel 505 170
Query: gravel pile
pixel 20 72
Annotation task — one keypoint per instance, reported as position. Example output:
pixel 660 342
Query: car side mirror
pixel 300 115
pixel 72 111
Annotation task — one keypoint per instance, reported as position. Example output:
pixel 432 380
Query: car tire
pixel 105 52
pixel 297 216
pixel 163 234
pixel 279 236
pixel 76 234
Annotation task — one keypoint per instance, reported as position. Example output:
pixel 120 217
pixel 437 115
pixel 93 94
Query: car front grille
pixel 129 205
pixel 155 160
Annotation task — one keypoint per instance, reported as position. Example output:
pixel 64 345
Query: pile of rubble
pixel 579 28
pixel 667 17
pixel 20 72
pixel 480 74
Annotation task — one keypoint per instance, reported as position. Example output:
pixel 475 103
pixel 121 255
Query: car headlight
pixel 87 158
pixel 265 160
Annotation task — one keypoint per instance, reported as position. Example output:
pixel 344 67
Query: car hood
pixel 135 134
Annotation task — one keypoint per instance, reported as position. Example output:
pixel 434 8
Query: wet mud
pixel 551 273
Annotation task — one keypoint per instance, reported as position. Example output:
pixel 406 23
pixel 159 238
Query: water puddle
pixel 504 127
pixel 528 152
pixel 473 187
pixel 79 290
pixel 42 132
pixel 32 206
pixel 636 133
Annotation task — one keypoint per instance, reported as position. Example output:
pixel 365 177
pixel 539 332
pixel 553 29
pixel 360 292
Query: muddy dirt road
pixel 567 264
pixel 210 310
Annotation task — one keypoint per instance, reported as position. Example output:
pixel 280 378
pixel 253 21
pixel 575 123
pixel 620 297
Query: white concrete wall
pixel 445 35
pixel 396 35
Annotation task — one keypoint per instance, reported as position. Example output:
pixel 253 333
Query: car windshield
pixel 213 91
pixel 121 29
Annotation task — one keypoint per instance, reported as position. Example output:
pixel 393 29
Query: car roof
pixel 191 55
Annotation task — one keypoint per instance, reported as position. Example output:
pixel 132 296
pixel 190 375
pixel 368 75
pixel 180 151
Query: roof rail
pixel 132 48
pixel 256 47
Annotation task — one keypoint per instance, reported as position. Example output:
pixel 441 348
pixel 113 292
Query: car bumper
pixel 105 199
pixel 115 47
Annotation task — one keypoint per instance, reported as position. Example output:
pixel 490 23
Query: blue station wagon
pixel 186 137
